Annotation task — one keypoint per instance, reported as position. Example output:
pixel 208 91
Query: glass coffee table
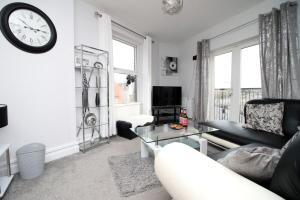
pixel 153 138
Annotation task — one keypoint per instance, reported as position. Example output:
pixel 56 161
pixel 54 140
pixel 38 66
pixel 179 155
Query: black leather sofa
pixel 286 178
pixel 235 133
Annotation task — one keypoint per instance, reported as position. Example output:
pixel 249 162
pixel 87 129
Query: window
pixel 124 72
pixel 250 67
pixel 223 70
pixel 250 77
pixel 124 56
pixel 222 85
pixel 237 79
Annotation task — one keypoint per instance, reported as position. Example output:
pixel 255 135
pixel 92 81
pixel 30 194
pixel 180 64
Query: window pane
pixel 223 70
pixel 250 77
pixel 124 93
pixel 124 55
pixel 250 67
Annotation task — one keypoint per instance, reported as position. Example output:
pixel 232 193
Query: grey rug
pixel 133 174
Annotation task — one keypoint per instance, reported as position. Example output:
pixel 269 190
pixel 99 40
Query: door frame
pixel 235 75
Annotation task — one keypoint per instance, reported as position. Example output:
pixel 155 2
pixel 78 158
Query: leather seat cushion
pixel 234 132
pixel 286 178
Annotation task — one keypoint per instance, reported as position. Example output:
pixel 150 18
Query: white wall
pixel 86 24
pixel 188 47
pixel 39 88
pixel 160 51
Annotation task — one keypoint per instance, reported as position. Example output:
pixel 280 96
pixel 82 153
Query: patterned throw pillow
pixel 265 117
pixel 282 150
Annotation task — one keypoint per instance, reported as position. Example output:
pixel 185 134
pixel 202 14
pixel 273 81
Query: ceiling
pixel 195 17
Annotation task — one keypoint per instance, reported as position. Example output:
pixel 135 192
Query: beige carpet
pixel 82 177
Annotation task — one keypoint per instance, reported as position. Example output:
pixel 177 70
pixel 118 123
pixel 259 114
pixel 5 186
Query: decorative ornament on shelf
pixel 172 7
pixel 130 79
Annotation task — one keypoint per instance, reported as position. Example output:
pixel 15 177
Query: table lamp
pixel 3 115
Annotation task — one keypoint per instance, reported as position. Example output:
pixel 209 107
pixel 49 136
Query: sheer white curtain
pixel 146 76
pixel 105 43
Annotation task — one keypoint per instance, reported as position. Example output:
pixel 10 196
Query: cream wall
pixel 39 88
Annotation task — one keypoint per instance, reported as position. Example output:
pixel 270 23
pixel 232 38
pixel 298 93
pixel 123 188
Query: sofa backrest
pixel 286 178
pixel 291 116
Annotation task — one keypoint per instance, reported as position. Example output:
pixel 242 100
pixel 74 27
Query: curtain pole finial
pixel 98 14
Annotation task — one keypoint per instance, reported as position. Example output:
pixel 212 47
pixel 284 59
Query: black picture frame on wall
pixel 8 34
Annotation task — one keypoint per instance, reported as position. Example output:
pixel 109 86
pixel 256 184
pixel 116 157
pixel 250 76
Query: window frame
pixel 134 72
pixel 125 71
pixel 236 49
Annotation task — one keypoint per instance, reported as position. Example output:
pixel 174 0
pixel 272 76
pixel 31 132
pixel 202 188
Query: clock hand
pixel 40 30
pixel 24 23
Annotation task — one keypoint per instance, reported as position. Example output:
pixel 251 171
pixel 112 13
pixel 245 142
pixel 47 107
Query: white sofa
pixel 190 175
pixel 131 113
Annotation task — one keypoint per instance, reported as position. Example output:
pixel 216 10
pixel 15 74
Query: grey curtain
pixel 279 53
pixel 201 82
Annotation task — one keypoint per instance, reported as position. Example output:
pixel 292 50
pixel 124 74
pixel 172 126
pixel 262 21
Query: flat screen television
pixel 166 96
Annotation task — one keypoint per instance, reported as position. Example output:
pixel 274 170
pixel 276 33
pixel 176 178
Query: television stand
pixel 166 114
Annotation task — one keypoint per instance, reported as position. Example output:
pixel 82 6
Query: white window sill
pixel 128 104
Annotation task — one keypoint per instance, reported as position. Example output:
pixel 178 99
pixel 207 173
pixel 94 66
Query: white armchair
pixel 190 175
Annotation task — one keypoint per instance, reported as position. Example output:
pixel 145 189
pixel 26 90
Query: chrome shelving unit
pixel 85 59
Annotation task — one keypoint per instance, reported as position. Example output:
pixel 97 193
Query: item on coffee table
pixel 176 126
pixel 183 119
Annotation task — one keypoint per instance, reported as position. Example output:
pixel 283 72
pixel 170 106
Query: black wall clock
pixel 27 27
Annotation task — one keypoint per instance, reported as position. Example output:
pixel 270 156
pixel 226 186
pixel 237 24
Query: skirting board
pixel 53 154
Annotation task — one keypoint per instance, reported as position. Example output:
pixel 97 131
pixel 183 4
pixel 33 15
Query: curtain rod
pixel 230 31
pixel 120 25
pixel 235 28
pixel 243 25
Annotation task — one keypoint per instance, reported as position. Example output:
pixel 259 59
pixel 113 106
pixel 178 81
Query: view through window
pixel 250 77
pixel 124 72
pixel 229 101
pixel 222 92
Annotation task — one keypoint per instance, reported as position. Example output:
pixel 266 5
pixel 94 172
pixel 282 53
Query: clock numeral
pixel 44 37
pixel 23 15
pixel 23 37
pixel 31 16
pixel 31 40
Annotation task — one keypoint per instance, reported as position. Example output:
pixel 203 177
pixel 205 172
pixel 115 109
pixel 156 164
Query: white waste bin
pixel 31 160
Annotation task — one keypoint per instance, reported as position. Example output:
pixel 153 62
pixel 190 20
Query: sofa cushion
pixel 265 117
pixel 258 163
pixel 291 115
pixel 286 178
pixel 234 132
pixel 222 154
pixel 284 148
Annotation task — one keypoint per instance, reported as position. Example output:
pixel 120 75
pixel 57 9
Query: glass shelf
pixel 80 107
pixel 90 127
pixel 89 68
pixel 85 57
pixel 92 87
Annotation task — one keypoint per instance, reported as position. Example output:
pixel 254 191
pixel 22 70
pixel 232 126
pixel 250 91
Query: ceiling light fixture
pixel 172 7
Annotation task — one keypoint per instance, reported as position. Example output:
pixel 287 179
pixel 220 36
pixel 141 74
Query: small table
pixel 153 138
pixel 5 180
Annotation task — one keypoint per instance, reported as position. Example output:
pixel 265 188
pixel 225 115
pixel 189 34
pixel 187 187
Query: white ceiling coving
pixel 195 16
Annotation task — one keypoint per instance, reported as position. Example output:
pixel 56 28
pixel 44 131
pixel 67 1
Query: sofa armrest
pixel 189 175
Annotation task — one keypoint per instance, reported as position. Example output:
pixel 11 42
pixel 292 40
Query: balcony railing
pixel 222 102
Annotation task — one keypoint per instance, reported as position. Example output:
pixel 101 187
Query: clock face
pixel 27 27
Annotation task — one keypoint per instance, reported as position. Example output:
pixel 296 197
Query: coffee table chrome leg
pixel 203 145
pixel 147 147
pixel 144 150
